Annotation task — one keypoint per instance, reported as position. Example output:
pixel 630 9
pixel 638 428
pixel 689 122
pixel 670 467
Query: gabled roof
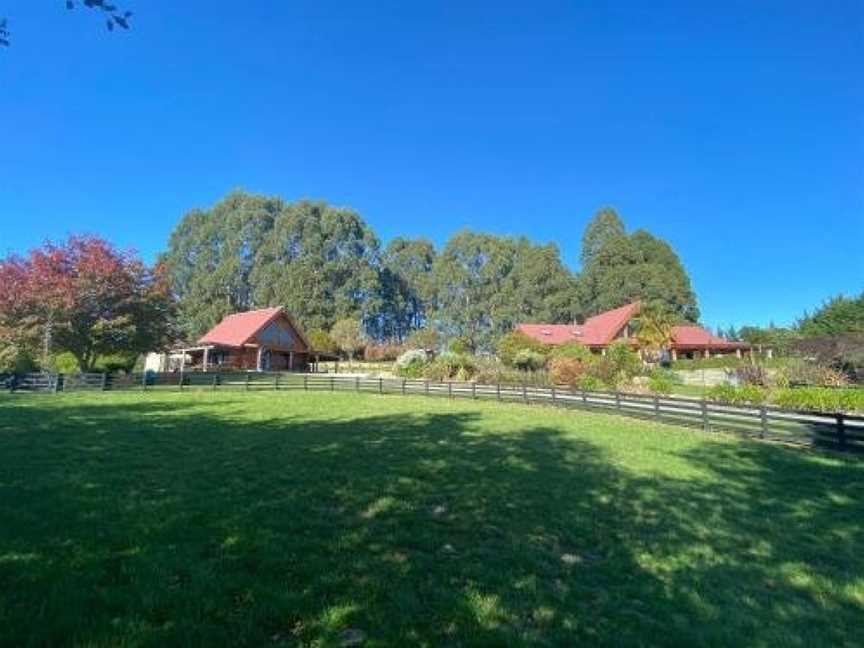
pixel 695 336
pixel 239 329
pixel 602 328
pixel 599 330
pixel 552 333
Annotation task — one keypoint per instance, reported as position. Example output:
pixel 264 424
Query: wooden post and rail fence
pixel 837 430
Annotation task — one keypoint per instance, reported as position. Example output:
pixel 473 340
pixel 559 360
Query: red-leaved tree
pixel 88 297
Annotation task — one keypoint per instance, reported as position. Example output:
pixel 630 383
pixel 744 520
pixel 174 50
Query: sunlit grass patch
pixel 315 519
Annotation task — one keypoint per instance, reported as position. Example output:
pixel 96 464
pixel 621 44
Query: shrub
pixel 412 356
pixel 492 372
pixel 566 370
pixel 752 375
pixel 450 365
pixel 516 341
pixel 459 346
pixel 618 366
pixel 17 359
pixel 821 399
pixel 382 352
pixel 661 382
pixel 810 374
pixel 411 363
pixel 115 362
pixel 624 360
pixel 528 360
pixel 65 363
pixel 572 350
pixel 591 383
pixel 743 395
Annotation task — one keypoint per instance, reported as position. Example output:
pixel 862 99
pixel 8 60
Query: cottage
pixel 261 340
pixel 599 331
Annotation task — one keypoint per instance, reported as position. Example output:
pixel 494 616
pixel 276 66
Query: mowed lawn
pixel 269 519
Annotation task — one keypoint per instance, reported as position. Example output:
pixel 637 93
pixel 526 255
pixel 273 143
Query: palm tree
pixel 654 331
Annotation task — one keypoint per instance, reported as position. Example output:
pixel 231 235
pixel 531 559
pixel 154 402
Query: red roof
pixel 552 333
pixel 236 330
pixel 601 329
pixel 696 336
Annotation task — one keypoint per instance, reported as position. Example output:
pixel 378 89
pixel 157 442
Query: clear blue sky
pixel 734 130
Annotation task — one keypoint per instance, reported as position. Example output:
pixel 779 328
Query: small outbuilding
pixel 268 339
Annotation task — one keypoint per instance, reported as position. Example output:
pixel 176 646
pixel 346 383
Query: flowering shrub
pixel 413 356
pixel 411 363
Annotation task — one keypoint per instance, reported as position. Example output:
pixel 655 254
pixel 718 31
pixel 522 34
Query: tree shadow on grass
pixel 140 523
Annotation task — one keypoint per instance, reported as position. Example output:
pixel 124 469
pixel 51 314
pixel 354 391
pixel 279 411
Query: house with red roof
pixel 599 331
pixel 260 340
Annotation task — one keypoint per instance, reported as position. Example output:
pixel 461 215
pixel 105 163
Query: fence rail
pixel 837 430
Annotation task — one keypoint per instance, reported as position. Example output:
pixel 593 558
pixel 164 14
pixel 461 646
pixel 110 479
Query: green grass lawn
pixel 269 519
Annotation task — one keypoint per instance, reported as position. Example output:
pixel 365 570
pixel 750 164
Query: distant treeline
pixel 326 264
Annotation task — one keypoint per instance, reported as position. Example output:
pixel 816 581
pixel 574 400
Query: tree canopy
pixel 625 268
pixel 487 284
pixel 605 225
pixel 83 297
pixel 325 264
pixel 838 315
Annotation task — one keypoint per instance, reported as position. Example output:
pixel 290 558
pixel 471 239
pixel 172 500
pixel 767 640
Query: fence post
pixel 763 419
pixel 473 391
pixel 449 389
pixel 305 382
pixel 498 390
pixel 380 385
pixel 525 393
pixel 248 378
pixel 553 394
pixel 332 384
pixel 656 406
pixel 104 381
pixel 427 387
pixel 617 399
pixel 357 383
pixel 704 415
pixel 584 397
pixel 403 386
pixel 216 381
pixel 57 382
pixel 841 430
